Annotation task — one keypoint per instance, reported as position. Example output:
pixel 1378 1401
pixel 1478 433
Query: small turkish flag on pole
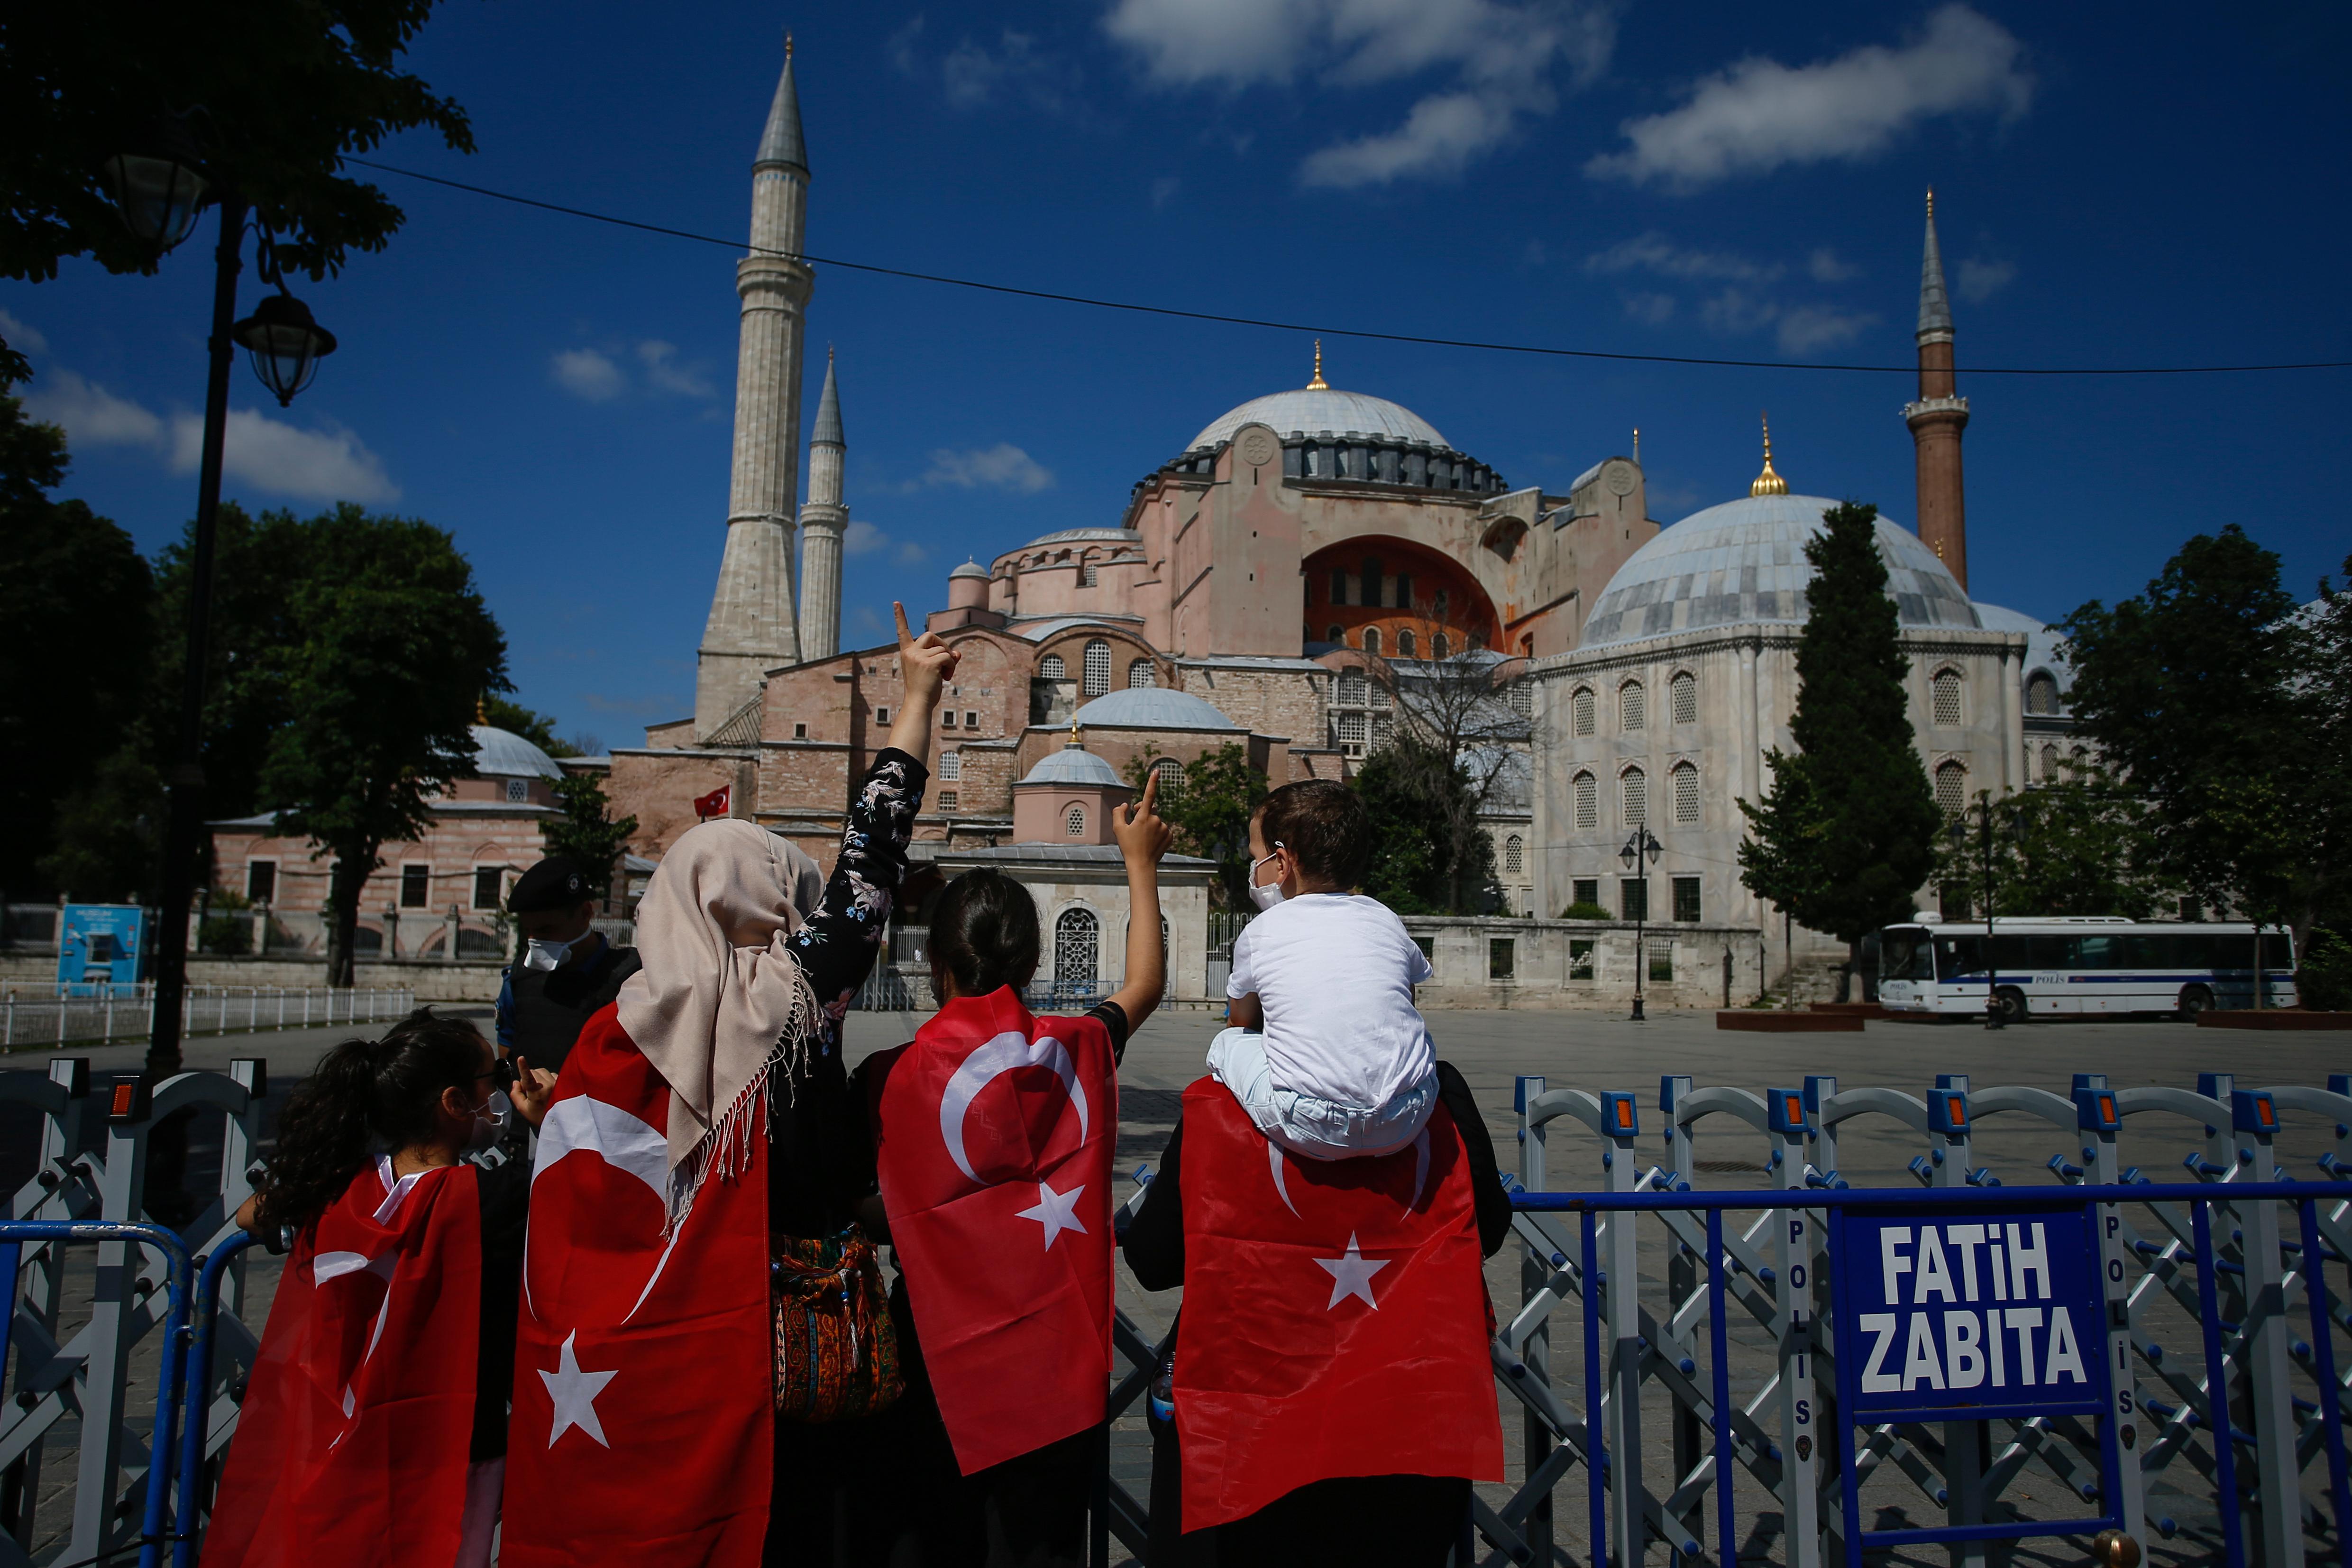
pixel 707 806
pixel 993 1142
pixel 643 1367
pixel 1335 1316
pixel 352 1445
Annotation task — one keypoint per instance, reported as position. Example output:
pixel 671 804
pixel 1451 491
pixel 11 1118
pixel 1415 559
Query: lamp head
pixel 286 344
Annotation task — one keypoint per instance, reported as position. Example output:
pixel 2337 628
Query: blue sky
pixel 2156 185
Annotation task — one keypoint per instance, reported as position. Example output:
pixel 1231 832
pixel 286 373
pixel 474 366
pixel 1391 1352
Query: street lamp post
pixel 1641 852
pixel 158 192
pixel 1995 1015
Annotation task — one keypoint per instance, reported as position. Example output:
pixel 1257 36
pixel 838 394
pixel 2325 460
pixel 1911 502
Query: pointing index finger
pixel 905 633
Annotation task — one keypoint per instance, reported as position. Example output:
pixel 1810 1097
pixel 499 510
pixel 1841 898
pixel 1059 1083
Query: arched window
pixel 2079 760
pixel 1438 647
pixel 1076 822
pixel 1334 634
pixel 1634 786
pixel 1078 938
pixel 1097 667
pixel 1437 607
pixel 1588 801
pixel 1522 699
pixel 1051 668
pixel 1087 576
pixel 2040 692
pixel 1580 709
pixel 1140 674
pixel 1952 789
pixel 1351 687
pixel 1515 854
pixel 1170 773
pixel 1406 645
pixel 950 765
pixel 1946 690
pixel 2049 764
pixel 1632 707
pixel 1684 689
pixel 1685 782
pixel 1372 640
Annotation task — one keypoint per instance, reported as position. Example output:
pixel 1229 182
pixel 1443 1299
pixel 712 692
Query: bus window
pixel 2278 951
pixel 2146 950
pixel 1904 953
pixel 1959 957
pixel 2102 952
pixel 2196 950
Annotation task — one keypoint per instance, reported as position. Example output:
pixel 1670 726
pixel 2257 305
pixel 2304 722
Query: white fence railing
pixel 46 1018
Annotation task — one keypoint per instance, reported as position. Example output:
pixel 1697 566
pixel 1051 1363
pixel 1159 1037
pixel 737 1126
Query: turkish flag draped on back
pixel 644 1371
pixel 352 1443
pixel 1335 1316
pixel 994 1132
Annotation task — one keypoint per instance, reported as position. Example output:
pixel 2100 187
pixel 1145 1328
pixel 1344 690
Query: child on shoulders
pixel 1328 1053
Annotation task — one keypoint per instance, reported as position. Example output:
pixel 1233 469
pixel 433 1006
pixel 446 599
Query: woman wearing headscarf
pixel 697 1336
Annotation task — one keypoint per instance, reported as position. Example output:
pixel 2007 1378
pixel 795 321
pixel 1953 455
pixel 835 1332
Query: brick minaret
pixel 824 519
pixel 751 629
pixel 1938 416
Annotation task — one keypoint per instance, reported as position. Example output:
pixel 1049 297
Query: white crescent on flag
pixel 1002 1055
pixel 625 1142
pixel 1419 1171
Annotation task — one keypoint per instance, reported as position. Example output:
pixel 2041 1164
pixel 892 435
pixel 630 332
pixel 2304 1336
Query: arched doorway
pixel 1077 947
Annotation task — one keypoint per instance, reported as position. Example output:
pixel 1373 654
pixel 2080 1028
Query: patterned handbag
pixel 836 1351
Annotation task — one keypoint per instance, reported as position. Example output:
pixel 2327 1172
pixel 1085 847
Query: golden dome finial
pixel 481 710
pixel 1931 201
pixel 1317 385
pixel 788 48
pixel 1077 741
pixel 1637 443
pixel 1768 483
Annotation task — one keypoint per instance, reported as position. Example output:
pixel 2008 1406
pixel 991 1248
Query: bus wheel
pixel 2012 1002
pixel 2195 999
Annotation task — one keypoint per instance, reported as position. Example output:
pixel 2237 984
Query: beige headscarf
pixel 721 1001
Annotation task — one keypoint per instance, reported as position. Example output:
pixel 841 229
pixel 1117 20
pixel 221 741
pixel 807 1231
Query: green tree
pixel 1847 830
pixel 2226 709
pixel 539 728
pixel 275 94
pixel 2081 847
pixel 77 601
pixel 395 649
pixel 1210 807
pixel 1424 860
pixel 587 830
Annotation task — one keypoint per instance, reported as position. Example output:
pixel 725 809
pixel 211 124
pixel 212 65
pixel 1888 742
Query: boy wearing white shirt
pixel 1328 1053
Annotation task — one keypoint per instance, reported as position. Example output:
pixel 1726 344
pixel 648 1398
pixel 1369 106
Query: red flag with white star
pixel 644 1363
pixel 351 1445
pixel 993 1135
pixel 1335 1315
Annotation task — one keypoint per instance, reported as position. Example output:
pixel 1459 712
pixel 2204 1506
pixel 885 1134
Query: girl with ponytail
pixel 373 1427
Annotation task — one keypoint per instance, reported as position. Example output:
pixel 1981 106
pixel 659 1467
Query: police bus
pixel 2080 964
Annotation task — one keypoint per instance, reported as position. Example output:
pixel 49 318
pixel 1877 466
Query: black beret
pixel 558 882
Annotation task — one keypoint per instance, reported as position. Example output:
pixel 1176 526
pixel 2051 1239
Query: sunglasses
pixel 503 1074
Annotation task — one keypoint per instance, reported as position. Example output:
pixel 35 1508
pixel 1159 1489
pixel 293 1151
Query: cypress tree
pixel 1846 834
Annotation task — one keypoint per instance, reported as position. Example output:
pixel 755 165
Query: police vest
pixel 550 1007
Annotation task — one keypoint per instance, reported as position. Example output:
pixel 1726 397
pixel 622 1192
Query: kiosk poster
pixel 1973 1315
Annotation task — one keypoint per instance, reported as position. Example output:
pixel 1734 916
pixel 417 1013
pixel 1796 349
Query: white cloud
pixel 1650 310
pixel 910 554
pixel 1004 467
pixel 1504 59
pixel 1980 280
pixel 861 538
pixel 1164 189
pixel 1737 311
pixel 21 337
pixel 588 374
pixel 973 74
pixel 1758 114
pixel 1654 252
pixel 1808 328
pixel 92 416
pixel 329 464
pixel 1825 268
pixel 662 368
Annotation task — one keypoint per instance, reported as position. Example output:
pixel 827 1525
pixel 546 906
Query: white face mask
pixel 1269 894
pixel 489 1121
pixel 549 954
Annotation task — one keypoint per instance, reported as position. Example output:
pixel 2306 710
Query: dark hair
pixel 364 1095
pixel 985 933
pixel 1325 826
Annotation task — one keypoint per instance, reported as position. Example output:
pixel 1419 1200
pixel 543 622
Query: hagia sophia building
pixel 1252 577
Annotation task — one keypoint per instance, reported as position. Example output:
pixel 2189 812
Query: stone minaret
pixel 823 519
pixel 1938 416
pixel 751 629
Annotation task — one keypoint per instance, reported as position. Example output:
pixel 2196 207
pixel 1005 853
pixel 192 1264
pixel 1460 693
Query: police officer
pixel 569 972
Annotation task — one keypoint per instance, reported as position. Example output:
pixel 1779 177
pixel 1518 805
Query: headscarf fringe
pixel 725 1148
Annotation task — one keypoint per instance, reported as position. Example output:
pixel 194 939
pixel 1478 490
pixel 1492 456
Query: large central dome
pixel 1314 410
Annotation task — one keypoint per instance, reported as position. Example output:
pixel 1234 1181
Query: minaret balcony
pixel 1928 406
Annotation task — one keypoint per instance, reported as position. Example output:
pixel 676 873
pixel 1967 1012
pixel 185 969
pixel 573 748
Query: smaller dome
pixel 1151 707
pixel 1070 765
pixel 969 568
pixel 502 753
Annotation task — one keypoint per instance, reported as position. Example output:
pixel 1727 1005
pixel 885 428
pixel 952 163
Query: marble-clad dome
pixel 1743 564
pixel 1313 411
pixel 1072 766
pixel 1151 707
pixel 502 753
